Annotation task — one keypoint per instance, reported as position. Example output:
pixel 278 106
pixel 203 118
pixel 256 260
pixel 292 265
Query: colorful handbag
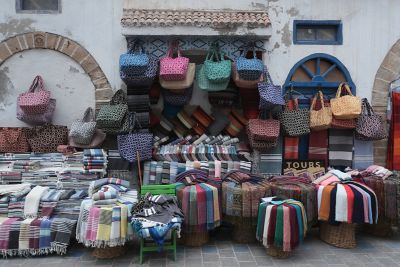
pixel 320 119
pixel 134 62
pixel 295 122
pixel 36 100
pixel 249 69
pixel 345 107
pixel 173 69
pixel 261 146
pixel 145 79
pixel 45 139
pixel 216 68
pixel 207 85
pixel 82 130
pixel 112 115
pixel 370 126
pixel 270 94
pixel 244 83
pixel 183 84
pixel 264 130
pixel 136 143
pixel 178 99
pixel 38 119
pixel 97 139
pixel 13 140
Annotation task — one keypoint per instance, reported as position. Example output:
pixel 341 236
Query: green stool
pixel 146 246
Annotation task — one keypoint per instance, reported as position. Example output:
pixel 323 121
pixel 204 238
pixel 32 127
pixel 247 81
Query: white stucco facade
pixel 370 28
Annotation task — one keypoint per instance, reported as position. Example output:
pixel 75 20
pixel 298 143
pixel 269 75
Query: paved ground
pixel 220 251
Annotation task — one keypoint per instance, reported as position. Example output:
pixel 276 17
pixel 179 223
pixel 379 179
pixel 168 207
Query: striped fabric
pixel 270 163
pixel 393 158
pixel 318 146
pixel 363 154
pixel 340 148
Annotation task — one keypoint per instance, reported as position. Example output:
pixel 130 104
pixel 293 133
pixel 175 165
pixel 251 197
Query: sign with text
pixel 311 169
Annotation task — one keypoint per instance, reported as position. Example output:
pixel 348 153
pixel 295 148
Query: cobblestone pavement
pixel 370 251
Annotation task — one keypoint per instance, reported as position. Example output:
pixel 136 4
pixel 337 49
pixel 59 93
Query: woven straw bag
pixel 183 84
pixel 82 130
pixel 345 107
pixel 13 140
pixel 320 119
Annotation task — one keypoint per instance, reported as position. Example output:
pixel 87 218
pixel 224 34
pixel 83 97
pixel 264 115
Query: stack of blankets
pixel 156 216
pixel 199 201
pixel 281 223
pixel 94 160
pixel 348 202
pixel 165 172
pixel 241 194
pixel 104 217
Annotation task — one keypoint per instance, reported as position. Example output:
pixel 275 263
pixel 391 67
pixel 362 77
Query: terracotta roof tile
pixel 213 19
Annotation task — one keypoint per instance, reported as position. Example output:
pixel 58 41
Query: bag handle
pixel 340 89
pixel 137 46
pixel 289 96
pixel 172 47
pixel 367 107
pixel 37 83
pixel 319 95
pixel 88 116
pixel 118 98
pixel 267 77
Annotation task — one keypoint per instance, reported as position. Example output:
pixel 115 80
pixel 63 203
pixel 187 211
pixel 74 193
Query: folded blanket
pixel 52 195
pixel 104 195
pixel 95 185
pixel 32 201
pixel 9 189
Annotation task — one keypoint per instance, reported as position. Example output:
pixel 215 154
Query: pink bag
pixel 36 100
pixel 173 69
pixel 37 119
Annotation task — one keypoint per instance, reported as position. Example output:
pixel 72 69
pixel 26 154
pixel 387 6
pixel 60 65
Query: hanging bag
pixel 270 94
pixel 112 115
pixel 13 140
pixel 295 122
pixel 40 118
pixel 370 126
pixel 45 139
pixel 320 119
pixel 136 143
pixel 249 69
pixel 183 84
pixel 36 100
pixel 178 99
pixel 142 80
pixel 216 68
pixel 134 62
pixel 82 130
pixel 264 130
pixel 345 107
pixel 173 69
pixel 205 84
pixel 244 83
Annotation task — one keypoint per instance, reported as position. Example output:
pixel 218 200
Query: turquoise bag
pixel 207 85
pixel 216 68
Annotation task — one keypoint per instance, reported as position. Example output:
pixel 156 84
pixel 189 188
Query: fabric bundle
pixel 94 160
pixel 241 194
pixel 349 202
pixel 281 223
pixel 32 201
pixel 159 215
pixel 393 153
pixel 340 148
pixel 269 163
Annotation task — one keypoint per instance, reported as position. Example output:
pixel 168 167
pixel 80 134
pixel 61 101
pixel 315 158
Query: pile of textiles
pixel 281 223
pixel 35 236
pixel 241 194
pixel 25 165
pixel 270 162
pixel 95 160
pixel 155 216
pixel 297 188
pixel 182 153
pixel 199 201
pixel 332 176
pixel 13 199
pixel 104 218
pixel 165 172
pixel 10 177
pixel 348 202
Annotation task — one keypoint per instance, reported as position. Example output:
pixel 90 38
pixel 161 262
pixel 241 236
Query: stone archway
pixel 388 71
pixel 46 40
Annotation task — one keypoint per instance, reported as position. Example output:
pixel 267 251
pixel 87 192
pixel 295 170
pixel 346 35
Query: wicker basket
pixel 277 252
pixel 108 253
pixel 195 239
pixel 244 233
pixel 341 236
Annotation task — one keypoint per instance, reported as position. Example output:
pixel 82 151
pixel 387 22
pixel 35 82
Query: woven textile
pixel 318 146
pixel 269 163
pixel 340 148
pixel 363 154
pixel 291 143
pixel 393 157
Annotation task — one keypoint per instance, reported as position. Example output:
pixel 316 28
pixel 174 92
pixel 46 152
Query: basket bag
pixel 249 69
pixel 134 62
pixel 45 139
pixel 173 69
pixel 261 146
pixel 207 85
pixel 264 130
pixel 82 130
pixel 178 99
pixel 320 119
pixel 216 68
pixel 270 94
pixel 370 126
pixel 345 107
pixel 244 83
pixel 112 115
pixel 135 143
pixel 13 140
pixel 343 124
pixel 183 84
pixel 38 119
pixel 36 100
pixel 295 122
pixel 145 79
